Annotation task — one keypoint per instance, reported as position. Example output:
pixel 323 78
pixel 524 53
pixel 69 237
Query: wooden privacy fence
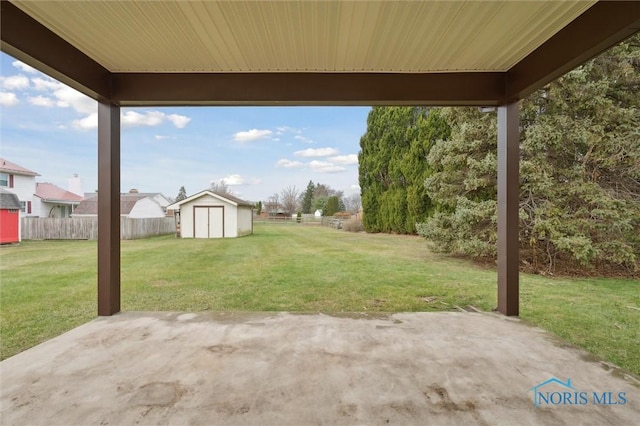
pixel 86 228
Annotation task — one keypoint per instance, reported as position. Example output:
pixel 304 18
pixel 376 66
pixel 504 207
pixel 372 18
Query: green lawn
pixel 48 287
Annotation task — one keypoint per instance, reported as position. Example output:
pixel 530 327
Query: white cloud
pixel 344 159
pixel 71 98
pixel 251 135
pixel 325 167
pixel 65 96
pixel 153 118
pixel 303 139
pixel 89 122
pixel 288 164
pixel 236 180
pixel 163 137
pixel 42 101
pixel 317 152
pixel 40 83
pixel 180 121
pixel 355 187
pixel 129 119
pixel 232 180
pixel 149 118
pixel 8 99
pixel 15 82
pixel 283 129
pixel 24 67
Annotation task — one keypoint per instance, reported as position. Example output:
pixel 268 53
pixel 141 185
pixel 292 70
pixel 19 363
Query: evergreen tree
pixel 259 208
pixel 333 206
pixel 307 200
pixel 320 203
pixel 393 167
pixel 182 194
pixel 580 172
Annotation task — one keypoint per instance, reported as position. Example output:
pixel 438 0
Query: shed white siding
pixel 245 221
pixel 208 216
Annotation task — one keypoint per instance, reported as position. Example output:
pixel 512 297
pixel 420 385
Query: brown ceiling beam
pixel 135 89
pixel 605 24
pixel 26 39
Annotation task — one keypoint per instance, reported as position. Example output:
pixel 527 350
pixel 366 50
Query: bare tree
pixel 289 197
pixel 352 203
pixel 325 191
pixel 272 205
pixel 220 187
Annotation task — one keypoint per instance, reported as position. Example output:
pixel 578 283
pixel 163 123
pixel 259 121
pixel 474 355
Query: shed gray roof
pixel 9 200
pixel 230 198
pixel 236 200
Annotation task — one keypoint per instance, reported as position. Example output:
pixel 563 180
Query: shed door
pixel 208 221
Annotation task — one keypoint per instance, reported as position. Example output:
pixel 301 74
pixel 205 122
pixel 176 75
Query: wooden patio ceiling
pixel 137 53
pixel 370 52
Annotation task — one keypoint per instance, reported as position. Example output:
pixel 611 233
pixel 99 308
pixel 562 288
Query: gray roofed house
pixel 132 204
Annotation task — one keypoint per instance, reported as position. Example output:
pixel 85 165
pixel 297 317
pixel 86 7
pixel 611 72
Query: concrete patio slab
pixel 284 369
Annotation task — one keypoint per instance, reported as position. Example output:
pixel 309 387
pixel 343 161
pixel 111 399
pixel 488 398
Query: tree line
pixel 316 196
pixel 433 171
pixel 290 200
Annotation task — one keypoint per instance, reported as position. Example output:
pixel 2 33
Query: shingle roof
pixel 87 206
pixel 9 167
pixel 228 197
pixel 127 202
pixel 236 200
pixel 50 192
pixel 9 200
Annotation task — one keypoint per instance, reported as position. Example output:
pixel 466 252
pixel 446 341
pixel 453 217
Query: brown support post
pixel 108 209
pixel 508 206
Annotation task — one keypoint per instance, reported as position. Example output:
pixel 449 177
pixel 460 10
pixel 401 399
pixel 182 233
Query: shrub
pixel 353 225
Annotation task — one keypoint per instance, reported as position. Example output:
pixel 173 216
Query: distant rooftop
pixel 50 192
pixel 127 202
pixel 7 166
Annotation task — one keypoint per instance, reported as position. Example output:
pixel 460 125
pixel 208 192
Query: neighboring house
pixel 208 214
pixel 162 200
pixel 21 182
pixel 133 205
pixel 9 217
pixel 272 209
pixel 155 196
pixel 53 201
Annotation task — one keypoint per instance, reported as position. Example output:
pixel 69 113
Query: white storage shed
pixel 208 214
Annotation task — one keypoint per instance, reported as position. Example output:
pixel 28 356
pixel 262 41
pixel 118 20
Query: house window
pixel 23 206
pixel 4 179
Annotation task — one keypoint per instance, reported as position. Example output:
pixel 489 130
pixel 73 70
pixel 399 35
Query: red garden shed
pixel 9 217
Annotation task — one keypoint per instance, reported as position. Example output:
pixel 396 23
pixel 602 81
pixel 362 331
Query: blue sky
pixel 50 128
